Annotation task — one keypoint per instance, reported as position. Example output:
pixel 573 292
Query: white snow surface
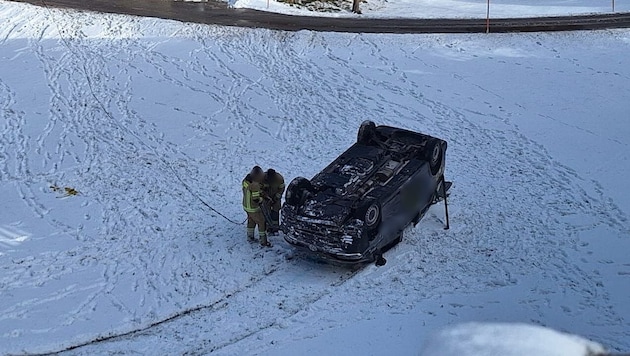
pixel 143 117
pixel 448 8
pixel 491 339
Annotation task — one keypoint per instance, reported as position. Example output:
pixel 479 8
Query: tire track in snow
pixel 214 306
pixel 243 323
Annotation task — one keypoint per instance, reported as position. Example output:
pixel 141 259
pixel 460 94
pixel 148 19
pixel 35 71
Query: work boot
pixel 250 235
pixel 263 241
pixel 274 228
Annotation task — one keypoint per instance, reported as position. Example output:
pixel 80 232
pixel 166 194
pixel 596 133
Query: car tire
pixel 297 190
pixel 373 216
pixel 366 132
pixel 370 213
pixel 433 153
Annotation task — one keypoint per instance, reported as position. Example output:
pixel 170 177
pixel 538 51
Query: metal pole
pixel 448 225
pixel 488 17
pixel 613 5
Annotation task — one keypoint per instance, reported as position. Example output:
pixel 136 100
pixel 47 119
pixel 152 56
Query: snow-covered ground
pixel 145 117
pixel 446 8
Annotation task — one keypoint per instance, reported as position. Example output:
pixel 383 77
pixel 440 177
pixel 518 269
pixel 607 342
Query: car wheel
pixel 433 153
pixel 366 132
pixel 373 216
pixel 297 190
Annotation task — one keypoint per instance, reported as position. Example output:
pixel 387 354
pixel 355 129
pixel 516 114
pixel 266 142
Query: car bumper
pixel 326 253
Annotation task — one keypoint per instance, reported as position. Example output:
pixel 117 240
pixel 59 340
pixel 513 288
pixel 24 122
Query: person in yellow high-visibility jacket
pixel 252 198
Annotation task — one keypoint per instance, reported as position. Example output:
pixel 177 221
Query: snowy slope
pixel 446 8
pixel 145 117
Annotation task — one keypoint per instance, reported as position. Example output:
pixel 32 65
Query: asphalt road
pixel 218 13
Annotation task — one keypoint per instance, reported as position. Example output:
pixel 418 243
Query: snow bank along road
pixel 216 12
pixel 141 116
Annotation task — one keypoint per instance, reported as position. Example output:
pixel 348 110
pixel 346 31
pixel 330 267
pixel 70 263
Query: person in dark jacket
pixel 273 188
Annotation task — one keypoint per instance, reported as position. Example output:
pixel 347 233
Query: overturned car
pixel 357 207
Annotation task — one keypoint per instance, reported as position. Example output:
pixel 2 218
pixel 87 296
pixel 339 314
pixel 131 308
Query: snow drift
pixel 490 339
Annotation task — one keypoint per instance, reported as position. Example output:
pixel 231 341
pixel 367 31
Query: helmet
pixel 256 174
